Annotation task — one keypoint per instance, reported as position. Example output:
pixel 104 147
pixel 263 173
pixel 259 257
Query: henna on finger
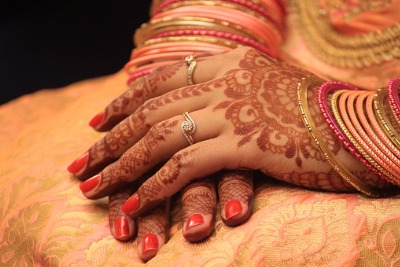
pixel 199 205
pixel 150 86
pixel 153 231
pixel 235 191
pixel 122 227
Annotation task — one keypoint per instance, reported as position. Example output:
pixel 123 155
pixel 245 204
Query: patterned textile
pixel 46 221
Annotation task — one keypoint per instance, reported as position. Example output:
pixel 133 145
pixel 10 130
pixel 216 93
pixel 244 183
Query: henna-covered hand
pixel 245 109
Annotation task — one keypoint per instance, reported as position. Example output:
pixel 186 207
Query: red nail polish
pixel 90 184
pixel 96 120
pixel 79 163
pixel 149 242
pixel 233 208
pixel 131 204
pixel 121 227
pixel 195 219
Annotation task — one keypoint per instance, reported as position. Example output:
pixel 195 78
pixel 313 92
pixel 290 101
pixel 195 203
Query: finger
pixel 162 80
pixel 153 230
pixel 161 142
pixel 122 226
pixel 199 160
pixel 199 204
pixel 129 131
pixel 235 190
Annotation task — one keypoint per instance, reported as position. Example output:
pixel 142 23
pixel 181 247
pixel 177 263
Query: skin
pixel 245 108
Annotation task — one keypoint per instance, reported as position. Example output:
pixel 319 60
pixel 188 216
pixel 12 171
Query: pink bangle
pixel 189 47
pixel 372 127
pixel 270 15
pixel 393 90
pixel 227 35
pixel 379 161
pixel 265 32
pixel 369 106
pixel 322 95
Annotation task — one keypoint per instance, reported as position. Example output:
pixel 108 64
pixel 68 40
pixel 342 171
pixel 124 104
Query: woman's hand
pixel 244 105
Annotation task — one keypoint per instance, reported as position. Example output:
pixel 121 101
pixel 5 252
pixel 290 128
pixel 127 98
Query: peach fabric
pixel 46 221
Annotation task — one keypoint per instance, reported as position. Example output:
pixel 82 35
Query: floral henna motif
pixel 270 116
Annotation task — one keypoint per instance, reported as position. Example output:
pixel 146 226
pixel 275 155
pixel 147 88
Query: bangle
pixel 316 137
pixel 242 40
pixel 322 96
pixel 376 132
pixel 355 132
pixel 383 119
pixel 393 90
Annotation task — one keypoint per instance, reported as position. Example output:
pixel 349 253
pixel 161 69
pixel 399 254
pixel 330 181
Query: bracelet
pixel 316 137
pixel 376 132
pixel 393 90
pixel 360 140
pixel 383 119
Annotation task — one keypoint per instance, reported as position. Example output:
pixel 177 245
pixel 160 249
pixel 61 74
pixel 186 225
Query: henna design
pixel 236 185
pixel 137 161
pixel 270 116
pixel 199 197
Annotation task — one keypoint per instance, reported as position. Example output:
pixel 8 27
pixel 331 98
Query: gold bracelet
pixel 316 137
pixel 216 3
pixel 147 29
pixel 202 39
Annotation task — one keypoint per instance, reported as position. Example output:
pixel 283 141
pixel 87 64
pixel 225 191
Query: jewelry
pixel 393 89
pixel 338 166
pixel 192 65
pixel 188 127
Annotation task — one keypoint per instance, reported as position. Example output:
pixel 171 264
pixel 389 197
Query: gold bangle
pixel 351 138
pixel 316 137
pixel 202 39
pixel 215 3
pixel 146 30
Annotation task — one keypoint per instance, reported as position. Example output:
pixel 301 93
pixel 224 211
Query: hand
pixel 245 108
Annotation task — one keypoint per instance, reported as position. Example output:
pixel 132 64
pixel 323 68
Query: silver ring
pixel 188 127
pixel 192 65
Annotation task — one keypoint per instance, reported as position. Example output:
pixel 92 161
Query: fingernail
pixel 121 227
pixel 96 120
pixel 149 243
pixel 195 219
pixel 90 184
pixel 131 204
pixel 79 163
pixel 233 208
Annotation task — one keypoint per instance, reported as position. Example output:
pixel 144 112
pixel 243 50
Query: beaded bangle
pixel 316 137
pixel 322 96
pixel 393 90
pixel 360 139
pixel 383 119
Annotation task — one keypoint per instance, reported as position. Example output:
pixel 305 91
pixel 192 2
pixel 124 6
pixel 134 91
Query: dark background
pixel 51 43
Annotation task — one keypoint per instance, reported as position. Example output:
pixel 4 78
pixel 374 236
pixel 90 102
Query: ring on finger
pixel 188 127
pixel 191 62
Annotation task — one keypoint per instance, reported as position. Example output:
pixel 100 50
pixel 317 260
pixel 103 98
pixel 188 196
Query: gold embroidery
pixel 343 50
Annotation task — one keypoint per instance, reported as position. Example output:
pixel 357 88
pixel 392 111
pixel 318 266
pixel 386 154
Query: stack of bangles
pixel 366 122
pixel 180 28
